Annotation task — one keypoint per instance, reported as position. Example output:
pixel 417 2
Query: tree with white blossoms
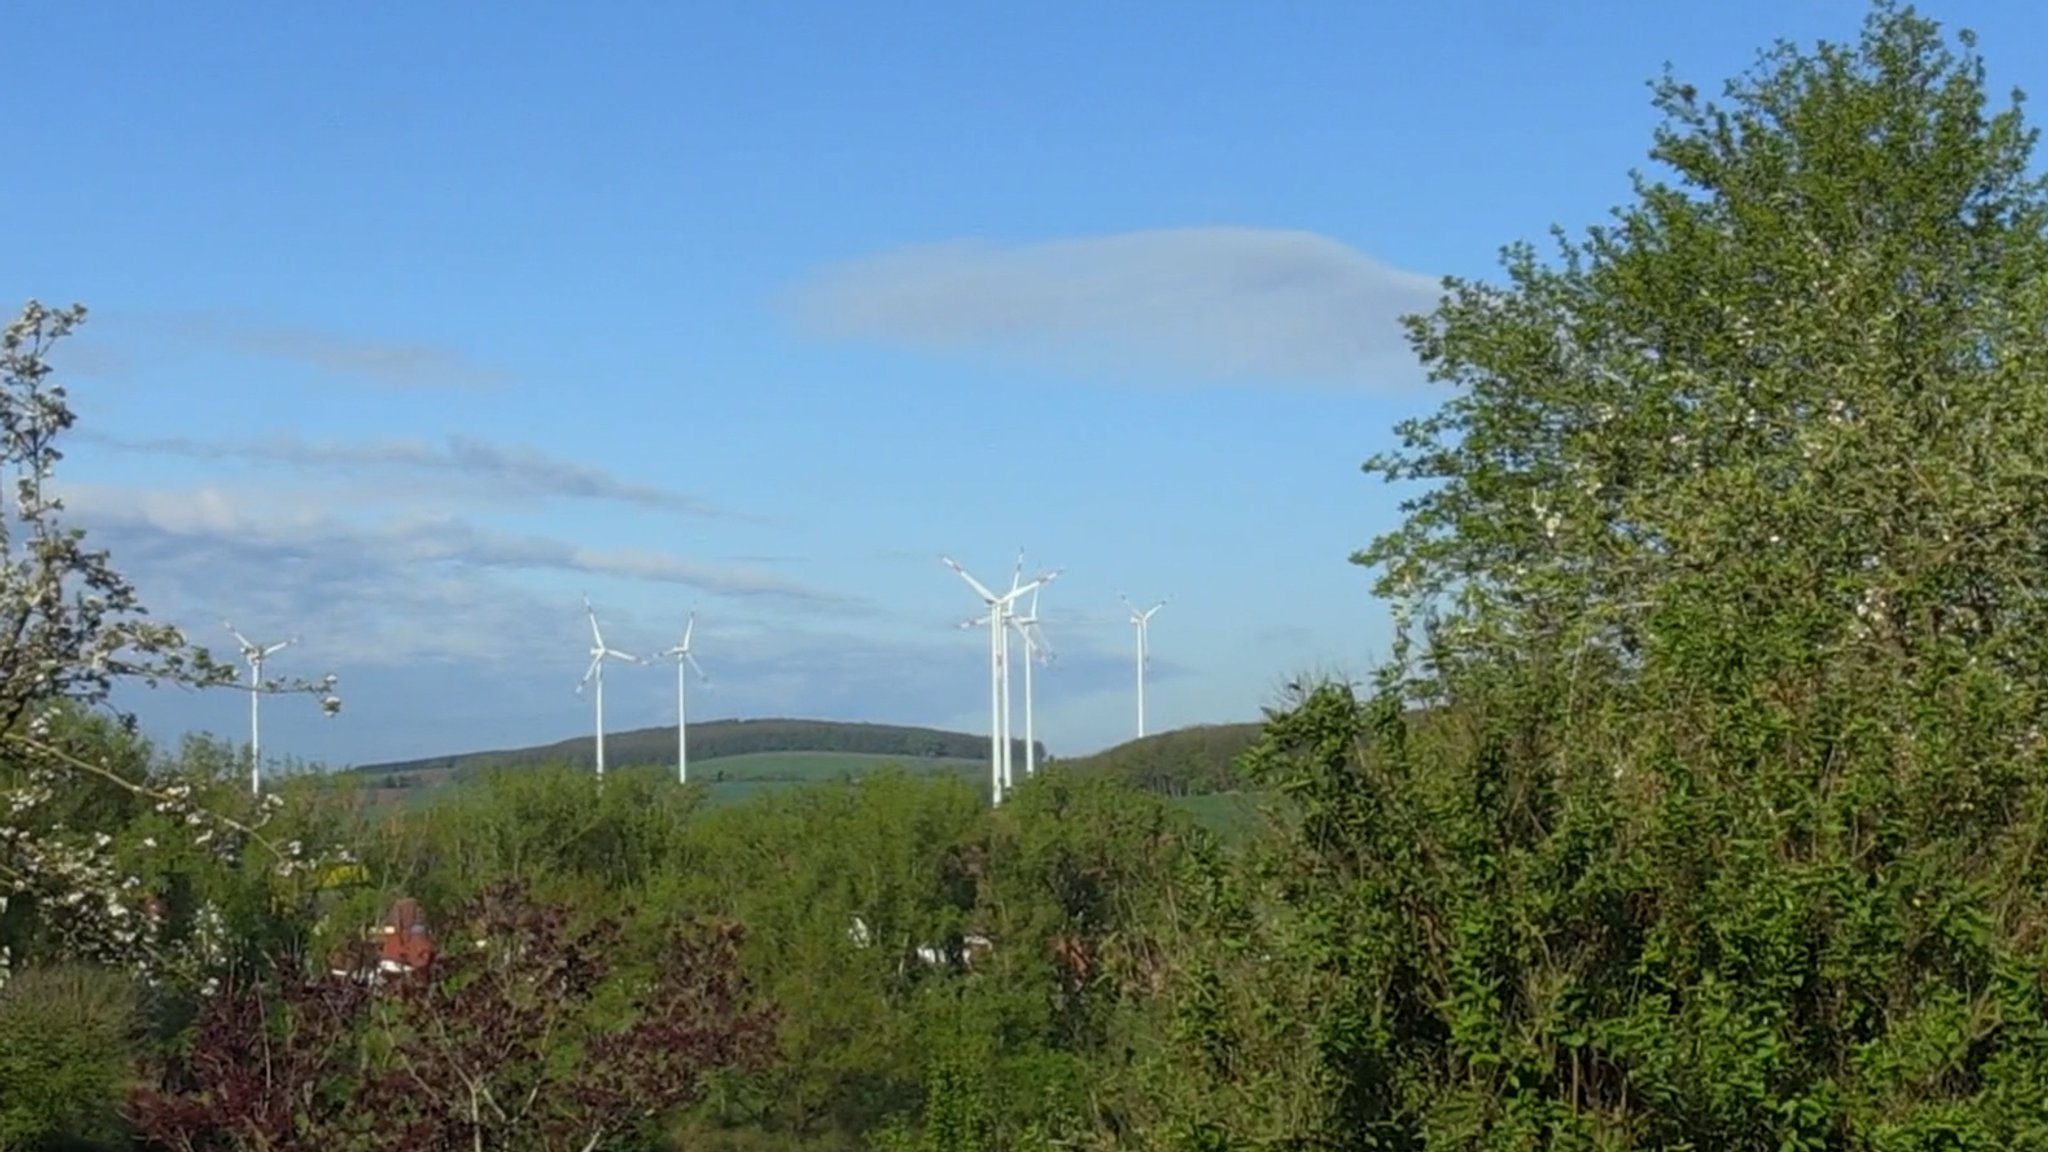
pixel 71 628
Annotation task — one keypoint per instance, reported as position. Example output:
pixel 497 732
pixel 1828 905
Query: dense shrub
pixel 69 1039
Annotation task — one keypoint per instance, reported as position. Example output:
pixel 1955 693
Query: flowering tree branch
pixel 72 627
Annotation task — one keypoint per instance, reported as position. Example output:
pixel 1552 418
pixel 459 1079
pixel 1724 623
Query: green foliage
pixel 68 1043
pixel 1790 400
pixel 1195 761
pixel 579 837
pixel 956 1115
pixel 1719 824
pixel 798 868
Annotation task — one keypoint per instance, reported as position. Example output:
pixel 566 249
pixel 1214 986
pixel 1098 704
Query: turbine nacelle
pixel 681 652
pixel 253 652
pixel 1138 618
pixel 600 651
pixel 1002 602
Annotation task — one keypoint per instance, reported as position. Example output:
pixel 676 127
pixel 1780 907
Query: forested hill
pixel 709 741
pixel 1184 762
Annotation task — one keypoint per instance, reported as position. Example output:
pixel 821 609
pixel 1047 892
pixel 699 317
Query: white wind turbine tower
pixel 593 676
pixel 1036 651
pixel 998 644
pixel 255 654
pixel 1142 621
pixel 681 654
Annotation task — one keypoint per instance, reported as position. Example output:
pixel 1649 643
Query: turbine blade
pixel 588 674
pixel 697 668
pixel 1017 577
pixel 596 637
pixel 1035 636
pixel 980 589
pixel 689 626
pixel 1042 580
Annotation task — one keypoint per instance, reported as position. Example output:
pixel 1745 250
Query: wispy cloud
pixel 391 363
pixel 1265 304
pixel 197 535
pixel 503 470
pixel 394 364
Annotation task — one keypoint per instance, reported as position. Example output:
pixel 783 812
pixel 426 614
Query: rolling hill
pixel 736 759
pixel 813 749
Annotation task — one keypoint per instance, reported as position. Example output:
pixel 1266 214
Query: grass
pixel 809 767
pixel 736 779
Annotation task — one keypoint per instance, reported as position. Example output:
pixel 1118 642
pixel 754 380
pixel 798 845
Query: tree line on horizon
pixel 1699 805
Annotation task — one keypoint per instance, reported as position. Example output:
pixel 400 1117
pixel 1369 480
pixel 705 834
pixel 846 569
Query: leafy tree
pixel 576 838
pixel 1798 385
pixel 1702 805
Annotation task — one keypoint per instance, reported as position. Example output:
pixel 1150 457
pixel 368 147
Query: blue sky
pixel 412 324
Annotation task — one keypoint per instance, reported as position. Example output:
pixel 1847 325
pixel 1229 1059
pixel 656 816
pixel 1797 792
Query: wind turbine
pixel 681 654
pixel 256 654
pixel 1036 650
pixel 998 646
pixel 593 676
pixel 1142 621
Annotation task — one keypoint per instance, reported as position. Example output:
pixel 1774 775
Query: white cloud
pixel 197 537
pixel 1219 302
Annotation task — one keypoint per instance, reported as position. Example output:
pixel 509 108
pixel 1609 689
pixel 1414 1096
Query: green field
pixel 734 779
pixel 805 767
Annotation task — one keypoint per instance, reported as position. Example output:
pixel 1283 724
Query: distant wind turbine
pixel 1142 621
pixel 255 654
pixel 998 645
pixel 593 676
pixel 681 654
pixel 1036 651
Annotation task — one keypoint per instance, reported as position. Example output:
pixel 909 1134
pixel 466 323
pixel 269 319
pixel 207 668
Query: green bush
pixel 67 1050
